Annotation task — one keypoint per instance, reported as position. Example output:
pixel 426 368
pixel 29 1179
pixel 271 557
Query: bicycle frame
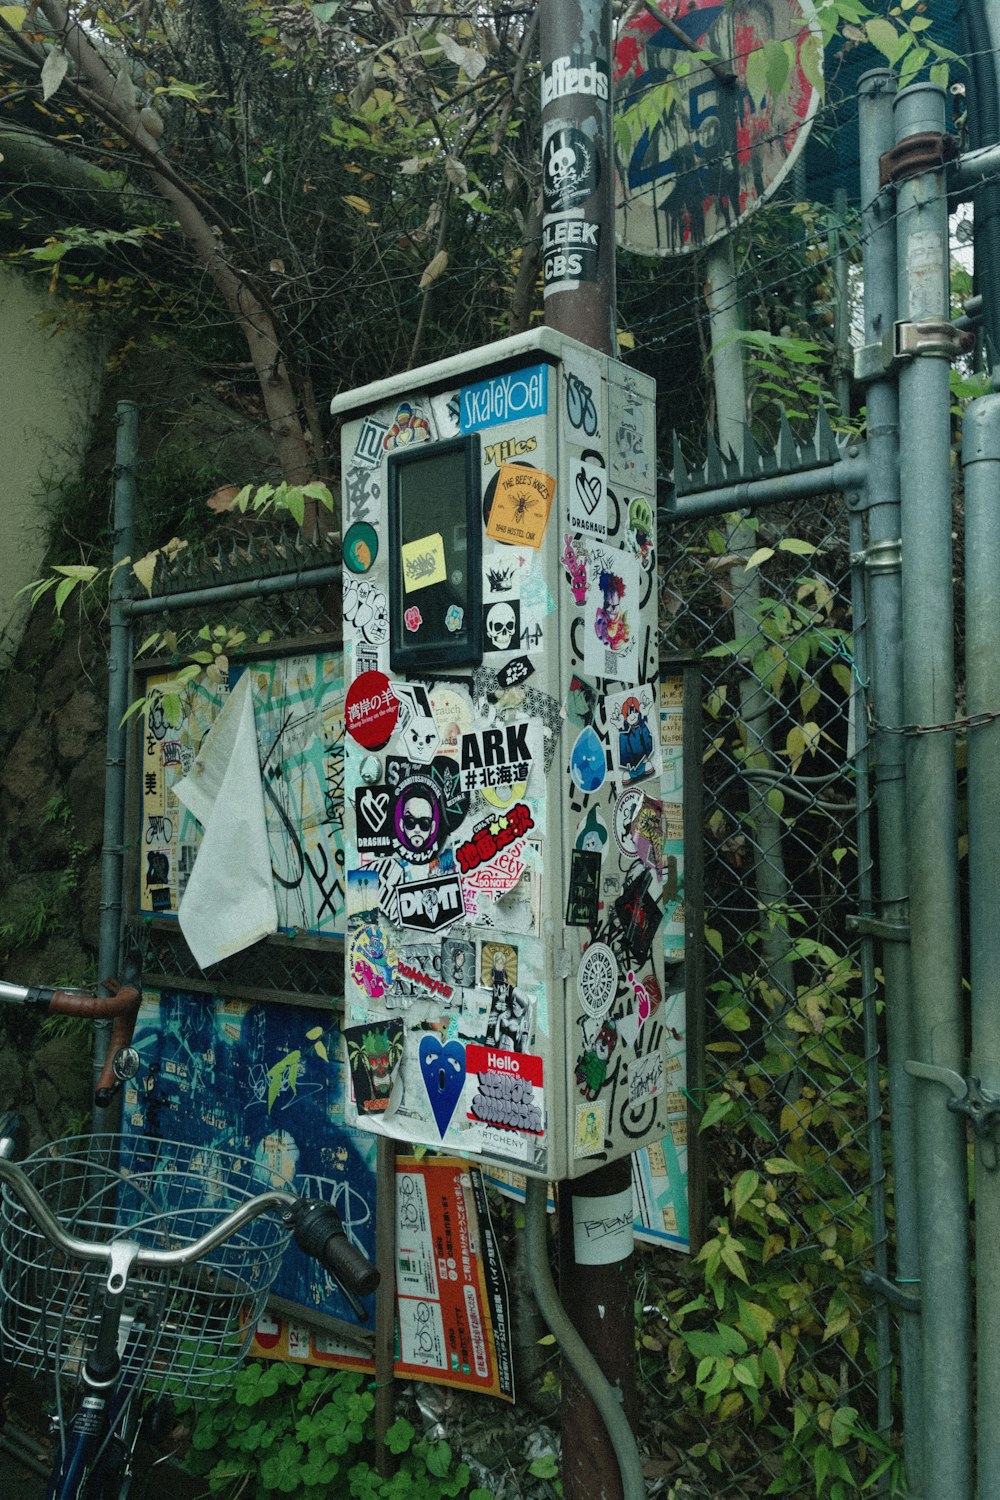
pixel 79 1472
pixel 96 1445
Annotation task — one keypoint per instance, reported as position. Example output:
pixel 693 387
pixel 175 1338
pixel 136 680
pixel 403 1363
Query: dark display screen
pixel 435 541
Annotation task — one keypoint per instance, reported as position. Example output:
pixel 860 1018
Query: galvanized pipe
pixel 226 593
pixel 981 463
pixel 973 166
pixel 929 699
pixel 876 91
pixel 771 489
pixel 869 990
pixel 112 847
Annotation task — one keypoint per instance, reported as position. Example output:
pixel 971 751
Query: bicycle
pixel 134 1266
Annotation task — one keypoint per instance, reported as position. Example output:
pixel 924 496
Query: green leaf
pixel 744 1188
pixel 318 491
pixel 844 1425
pixel 294 502
pixel 776 65
pixel 546 1467
pixel 748 1372
pixel 63 590
pixel 718 1108
pixel 777 1165
pixel 438 1458
pixel 49 252
pixel 811 62
pixel 755 1320
pixel 756 75
pixel 79 572
pixel 915 60
pixel 883 35
pixel 400 1435
pixel 731 1259
pixel 796 545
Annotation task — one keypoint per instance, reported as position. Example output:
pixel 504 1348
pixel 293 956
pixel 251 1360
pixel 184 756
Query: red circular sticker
pixel 371 710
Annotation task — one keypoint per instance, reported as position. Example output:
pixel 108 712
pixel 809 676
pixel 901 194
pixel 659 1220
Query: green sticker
pixel 360 547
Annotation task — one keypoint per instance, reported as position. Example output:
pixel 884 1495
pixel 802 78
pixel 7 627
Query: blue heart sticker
pixel 443 1067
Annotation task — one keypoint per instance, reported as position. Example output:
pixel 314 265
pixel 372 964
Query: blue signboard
pixel 504 398
pixel 266 1080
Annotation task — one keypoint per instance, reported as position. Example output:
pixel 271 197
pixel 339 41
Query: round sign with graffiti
pixel 734 118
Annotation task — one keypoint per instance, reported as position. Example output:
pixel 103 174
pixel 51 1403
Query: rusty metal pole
pixel 578 254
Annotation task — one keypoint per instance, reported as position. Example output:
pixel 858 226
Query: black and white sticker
pixel 431 905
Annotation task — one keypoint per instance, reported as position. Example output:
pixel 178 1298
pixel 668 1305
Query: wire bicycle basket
pixel 184 1330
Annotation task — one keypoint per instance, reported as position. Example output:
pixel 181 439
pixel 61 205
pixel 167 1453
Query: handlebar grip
pixel 121 999
pixel 320 1233
pixel 121 1006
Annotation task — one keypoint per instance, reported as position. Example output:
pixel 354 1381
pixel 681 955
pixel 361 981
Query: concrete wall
pixel 49 389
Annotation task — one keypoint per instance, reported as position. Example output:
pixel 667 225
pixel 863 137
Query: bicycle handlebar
pixel 120 1006
pixel 317 1227
pixel 321 1234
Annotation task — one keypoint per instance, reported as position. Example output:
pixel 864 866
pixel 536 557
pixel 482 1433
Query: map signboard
pixel 298 704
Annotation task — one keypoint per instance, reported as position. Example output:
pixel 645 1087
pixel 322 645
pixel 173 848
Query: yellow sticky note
pixel 521 505
pixel 423 562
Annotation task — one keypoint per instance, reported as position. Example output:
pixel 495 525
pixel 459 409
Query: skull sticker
pixel 502 625
pixel 570 169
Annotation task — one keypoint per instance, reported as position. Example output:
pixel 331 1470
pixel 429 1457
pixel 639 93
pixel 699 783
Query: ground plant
pixel 309 1433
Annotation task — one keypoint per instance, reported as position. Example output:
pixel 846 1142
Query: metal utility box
pixel 504 828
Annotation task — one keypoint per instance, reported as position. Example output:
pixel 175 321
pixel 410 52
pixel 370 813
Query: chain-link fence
pixel 776 1362
pixel 764 1361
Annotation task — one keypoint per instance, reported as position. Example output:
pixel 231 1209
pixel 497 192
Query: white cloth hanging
pixel 229 900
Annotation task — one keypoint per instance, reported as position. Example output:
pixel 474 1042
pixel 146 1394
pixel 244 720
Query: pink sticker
pixel 413 619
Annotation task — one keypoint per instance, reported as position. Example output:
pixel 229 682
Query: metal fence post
pixel 981 462
pixel 876 91
pixel 929 701
pixel 123 527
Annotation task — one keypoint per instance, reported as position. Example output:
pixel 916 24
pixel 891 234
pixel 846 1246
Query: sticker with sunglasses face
pixel 418 824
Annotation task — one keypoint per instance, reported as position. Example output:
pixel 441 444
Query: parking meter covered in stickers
pixel 500 914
